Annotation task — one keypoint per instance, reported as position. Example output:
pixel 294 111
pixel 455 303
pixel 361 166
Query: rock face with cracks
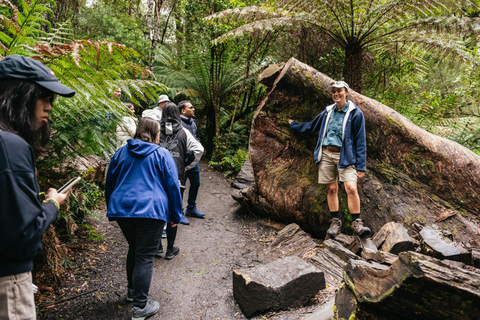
pixel 279 285
pixel 412 176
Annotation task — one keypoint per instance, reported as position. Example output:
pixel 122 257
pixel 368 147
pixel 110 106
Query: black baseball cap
pixel 21 67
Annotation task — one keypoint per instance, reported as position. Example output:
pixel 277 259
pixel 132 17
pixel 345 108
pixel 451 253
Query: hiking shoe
pixel 360 230
pixel 195 213
pixel 159 252
pixel 164 233
pixel 184 220
pixel 335 228
pixel 150 309
pixel 172 253
pixel 129 295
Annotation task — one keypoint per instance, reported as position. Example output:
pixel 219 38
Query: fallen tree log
pixel 415 286
pixel 412 175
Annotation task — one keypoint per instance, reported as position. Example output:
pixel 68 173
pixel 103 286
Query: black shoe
pixel 172 253
pixel 159 253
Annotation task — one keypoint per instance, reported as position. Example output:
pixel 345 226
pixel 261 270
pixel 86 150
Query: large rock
pixel 284 283
pixel 443 248
pixel 245 177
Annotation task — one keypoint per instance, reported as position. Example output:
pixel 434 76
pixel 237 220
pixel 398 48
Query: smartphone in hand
pixel 69 185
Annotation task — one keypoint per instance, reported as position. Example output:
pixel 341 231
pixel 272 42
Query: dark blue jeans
pixel 194 176
pixel 143 236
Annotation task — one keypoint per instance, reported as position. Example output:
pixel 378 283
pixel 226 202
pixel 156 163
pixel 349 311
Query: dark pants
pixel 194 176
pixel 171 231
pixel 142 236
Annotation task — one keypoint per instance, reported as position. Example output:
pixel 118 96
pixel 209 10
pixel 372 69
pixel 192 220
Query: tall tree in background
pixel 209 73
pixel 359 26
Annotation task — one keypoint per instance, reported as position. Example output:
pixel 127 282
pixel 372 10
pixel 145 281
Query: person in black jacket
pixel 178 141
pixel 187 112
pixel 27 89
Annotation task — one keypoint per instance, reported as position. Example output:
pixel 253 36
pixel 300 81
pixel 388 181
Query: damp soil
pixel 196 284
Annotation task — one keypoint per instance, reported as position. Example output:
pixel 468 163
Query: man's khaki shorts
pixel 328 171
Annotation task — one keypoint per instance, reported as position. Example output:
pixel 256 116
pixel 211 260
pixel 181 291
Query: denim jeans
pixel 194 176
pixel 143 236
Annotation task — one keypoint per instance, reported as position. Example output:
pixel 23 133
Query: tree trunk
pixel 352 71
pixel 412 175
pixel 414 287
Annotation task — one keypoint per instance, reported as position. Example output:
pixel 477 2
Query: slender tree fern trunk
pixel 210 112
pixel 352 71
pixel 153 24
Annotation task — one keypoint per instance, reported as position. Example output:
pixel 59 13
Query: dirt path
pixel 197 284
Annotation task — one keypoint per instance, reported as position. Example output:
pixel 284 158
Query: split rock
pixel 281 284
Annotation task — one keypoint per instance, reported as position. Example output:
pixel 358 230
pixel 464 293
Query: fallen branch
pixel 46 305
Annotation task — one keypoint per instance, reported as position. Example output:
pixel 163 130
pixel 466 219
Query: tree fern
pixel 84 125
pixel 22 24
pixel 211 78
pixel 358 26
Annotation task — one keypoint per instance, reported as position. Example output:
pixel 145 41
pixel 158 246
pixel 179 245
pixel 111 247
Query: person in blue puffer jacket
pixel 341 153
pixel 142 194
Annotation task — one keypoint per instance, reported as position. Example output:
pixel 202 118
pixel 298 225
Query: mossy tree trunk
pixel 412 175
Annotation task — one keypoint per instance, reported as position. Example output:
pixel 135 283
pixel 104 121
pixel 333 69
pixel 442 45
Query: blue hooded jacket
pixel 142 182
pixel 354 146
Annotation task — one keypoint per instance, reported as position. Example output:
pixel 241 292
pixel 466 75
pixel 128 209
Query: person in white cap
pixel 341 153
pixel 156 113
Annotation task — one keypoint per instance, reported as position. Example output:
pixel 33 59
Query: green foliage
pixel 93 235
pixel 21 24
pixel 362 26
pixel 108 21
pixel 229 164
pixel 83 125
pixel 210 79
pixel 61 34
pixel 86 198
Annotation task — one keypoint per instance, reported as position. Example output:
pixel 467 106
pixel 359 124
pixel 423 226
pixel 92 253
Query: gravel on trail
pixel 196 284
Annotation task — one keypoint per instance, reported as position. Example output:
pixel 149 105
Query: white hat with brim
pixel 163 98
pixel 338 84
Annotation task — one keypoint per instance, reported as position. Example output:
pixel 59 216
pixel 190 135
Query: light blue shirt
pixel 333 137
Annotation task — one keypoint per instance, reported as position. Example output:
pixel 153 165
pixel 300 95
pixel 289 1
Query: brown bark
pixel 414 287
pixel 412 175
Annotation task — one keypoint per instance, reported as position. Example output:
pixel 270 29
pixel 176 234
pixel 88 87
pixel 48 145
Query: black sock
pixel 334 214
pixel 355 216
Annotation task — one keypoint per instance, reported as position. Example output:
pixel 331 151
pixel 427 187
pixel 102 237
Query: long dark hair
pixel 18 100
pixel 147 130
pixel 171 111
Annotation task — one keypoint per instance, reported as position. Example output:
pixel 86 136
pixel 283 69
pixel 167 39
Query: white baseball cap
pixel 338 84
pixel 163 98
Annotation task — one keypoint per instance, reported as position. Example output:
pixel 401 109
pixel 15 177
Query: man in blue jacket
pixel 341 153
